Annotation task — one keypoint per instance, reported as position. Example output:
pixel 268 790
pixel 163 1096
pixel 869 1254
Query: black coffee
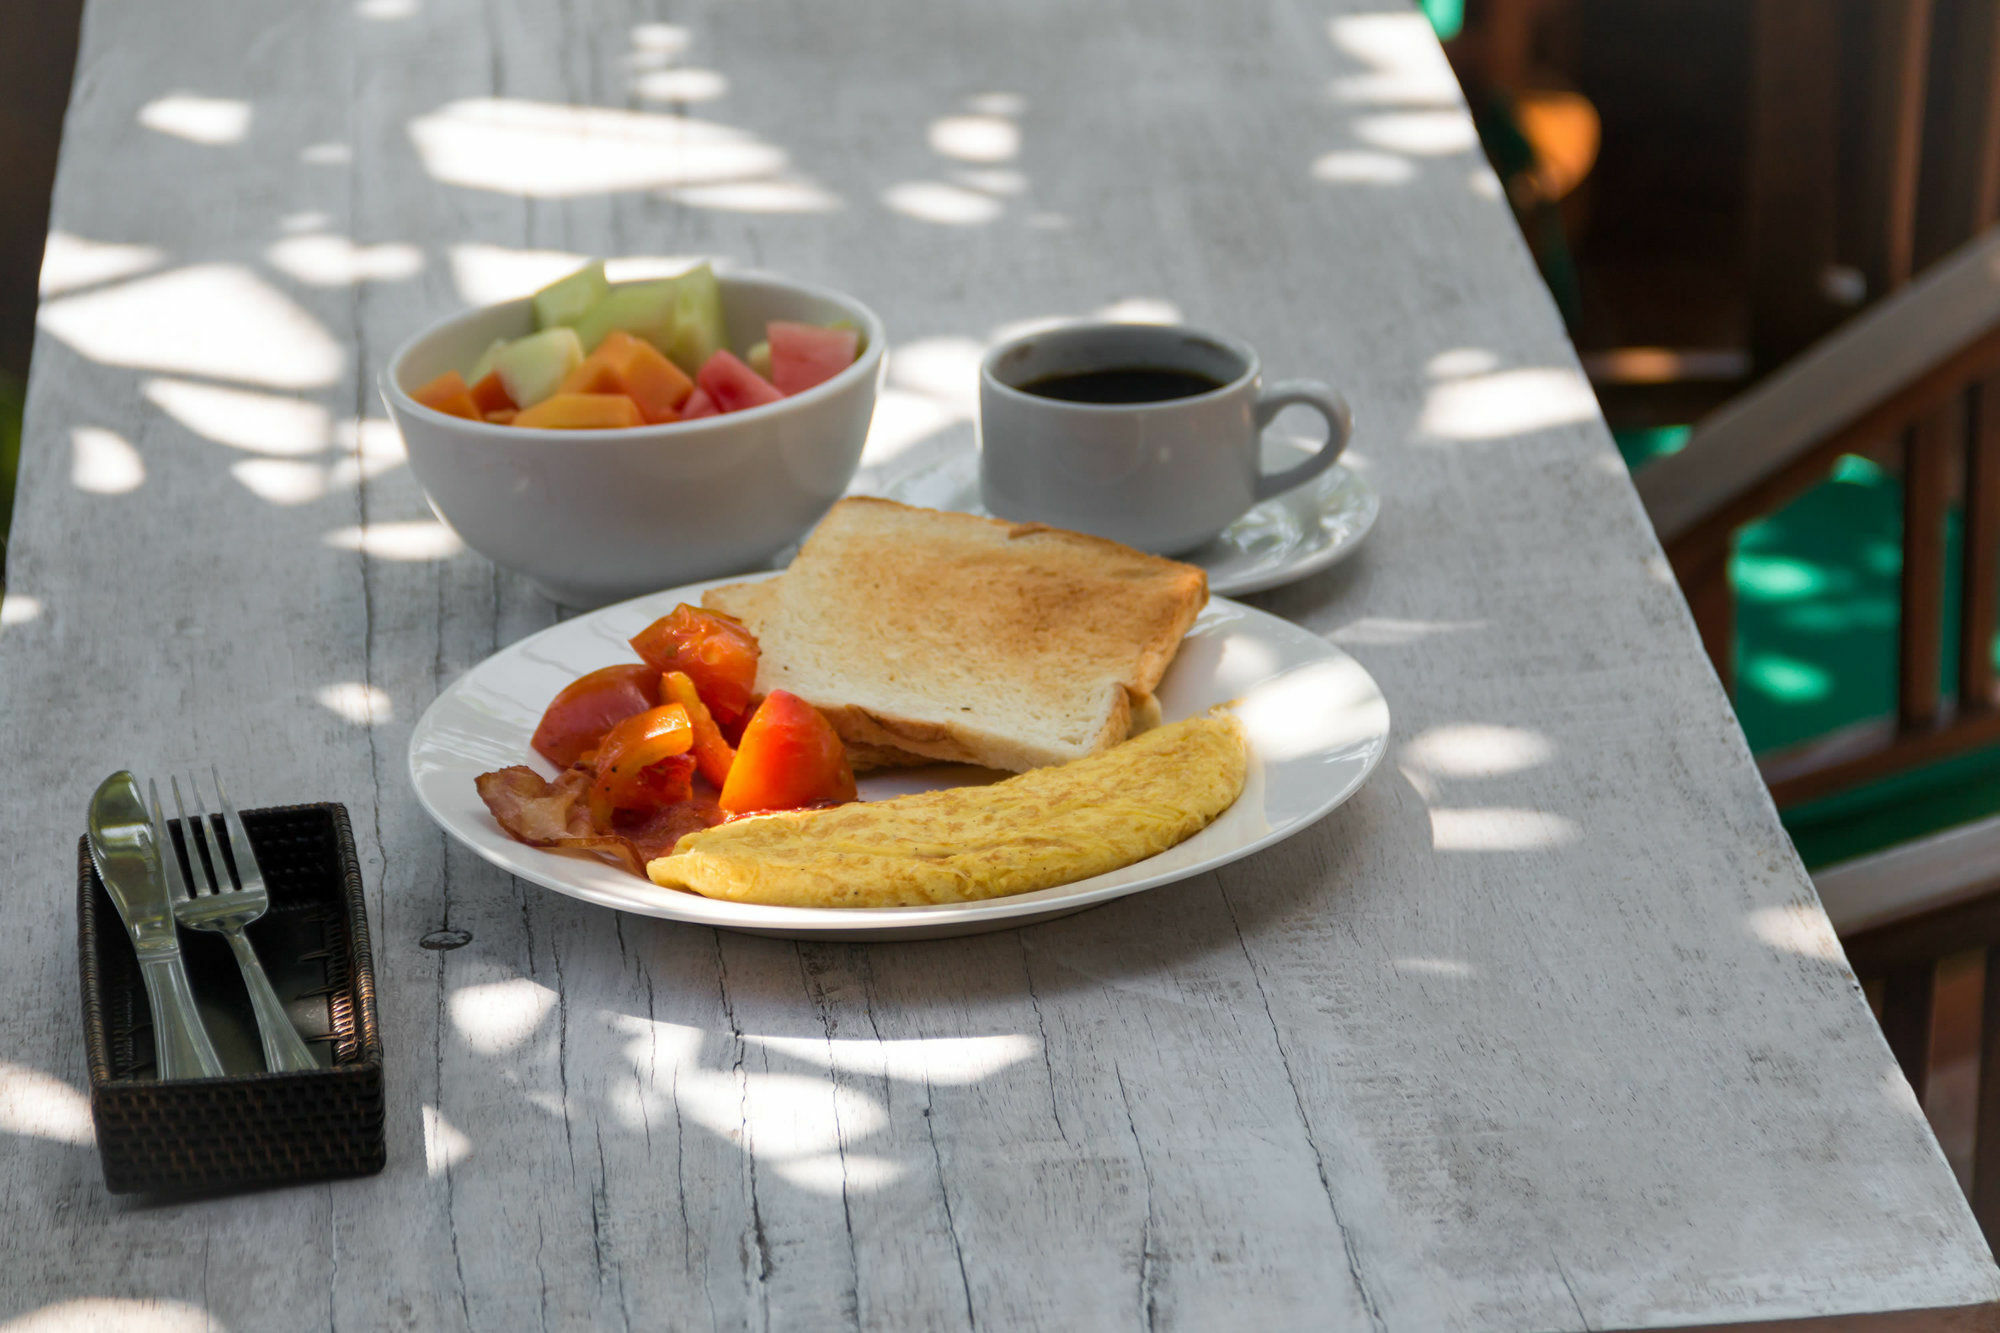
pixel 1123 384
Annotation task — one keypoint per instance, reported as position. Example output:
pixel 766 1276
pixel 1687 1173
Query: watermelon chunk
pixel 698 404
pixel 734 386
pixel 802 355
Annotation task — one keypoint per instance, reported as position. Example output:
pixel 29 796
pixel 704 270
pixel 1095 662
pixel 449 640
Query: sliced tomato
pixel 715 651
pixel 789 757
pixel 631 774
pixel 712 754
pixel 576 720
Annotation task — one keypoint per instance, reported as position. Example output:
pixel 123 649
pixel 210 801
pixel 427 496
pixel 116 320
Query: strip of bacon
pixel 556 814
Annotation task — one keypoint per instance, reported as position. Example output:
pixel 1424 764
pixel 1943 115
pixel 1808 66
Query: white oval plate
pixel 1280 541
pixel 1317 725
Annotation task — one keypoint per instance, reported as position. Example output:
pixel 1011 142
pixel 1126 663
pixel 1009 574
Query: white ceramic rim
pixel 391 385
pixel 1253 367
pixel 646 899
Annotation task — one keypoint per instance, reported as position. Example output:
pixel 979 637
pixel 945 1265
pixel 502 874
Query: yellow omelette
pixel 1031 831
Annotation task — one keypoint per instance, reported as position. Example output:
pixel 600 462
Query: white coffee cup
pixel 1164 474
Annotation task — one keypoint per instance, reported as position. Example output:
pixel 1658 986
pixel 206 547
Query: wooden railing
pixel 1902 912
pixel 1916 381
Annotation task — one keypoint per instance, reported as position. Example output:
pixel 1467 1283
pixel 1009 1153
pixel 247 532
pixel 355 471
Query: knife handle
pixel 181 1048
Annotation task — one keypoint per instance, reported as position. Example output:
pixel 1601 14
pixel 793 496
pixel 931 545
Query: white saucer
pixel 1281 540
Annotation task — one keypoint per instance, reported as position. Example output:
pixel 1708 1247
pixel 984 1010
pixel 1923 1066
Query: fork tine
pixel 201 864
pixel 248 873
pixel 177 888
pixel 187 836
pixel 218 869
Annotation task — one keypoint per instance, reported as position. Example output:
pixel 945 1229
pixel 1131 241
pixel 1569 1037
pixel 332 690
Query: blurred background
pixel 1759 220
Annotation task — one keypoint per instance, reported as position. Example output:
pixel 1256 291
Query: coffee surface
pixel 1123 384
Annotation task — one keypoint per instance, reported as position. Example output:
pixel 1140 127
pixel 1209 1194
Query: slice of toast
pixel 969 640
pixel 752 603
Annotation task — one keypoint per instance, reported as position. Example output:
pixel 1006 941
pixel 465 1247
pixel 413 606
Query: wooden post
pixel 1979 587
pixel 1926 495
pixel 1986 1116
pixel 1897 39
pixel 1793 175
pixel 1906 1019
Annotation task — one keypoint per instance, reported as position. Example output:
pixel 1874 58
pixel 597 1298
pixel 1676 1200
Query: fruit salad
pixel 643 354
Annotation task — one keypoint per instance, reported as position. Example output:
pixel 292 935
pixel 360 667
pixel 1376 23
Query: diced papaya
pixel 634 367
pixel 449 395
pixel 582 411
pixel 503 417
pixel 712 753
pixel 490 394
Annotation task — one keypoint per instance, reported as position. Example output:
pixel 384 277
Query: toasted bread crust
pixel 952 637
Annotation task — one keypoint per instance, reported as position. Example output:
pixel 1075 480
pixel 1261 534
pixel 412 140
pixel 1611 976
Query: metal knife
pixel 125 845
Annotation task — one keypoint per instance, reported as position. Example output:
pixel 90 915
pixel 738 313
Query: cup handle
pixel 1339 426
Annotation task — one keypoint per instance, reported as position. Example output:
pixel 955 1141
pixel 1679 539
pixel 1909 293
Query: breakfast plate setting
pixel 1316 723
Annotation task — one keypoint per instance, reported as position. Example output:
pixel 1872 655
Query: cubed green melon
pixel 645 310
pixel 533 367
pixel 698 327
pixel 566 300
pixel 484 365
pixel 759 358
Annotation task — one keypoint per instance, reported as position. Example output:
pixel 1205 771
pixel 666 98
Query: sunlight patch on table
pixel 1418 133
pixel 941 203
pixel 94 1314
pixel 778 1116
pixel 19 608
pixel 777 194
pixel 1362 167
pixel 103 462
pixel 1498 829
pixel 903 420
pixel 1797 928
pixel 944 369
pixel 486 274
pixel 218 320
pixel 386 11
pixel 935 1060
pixel 1506 403
pixel 1140 310
pixel 353 701
pixel 257 422
pixel 1389 632
pixel 417 539
pixel 495 1017
pixel 1458 362
pixel 326 154
pixel 42 1106
pixel 279 481
pixel 681 85
pixel 1478 750
pixel 833 1175
pixel 991 180
pixel 975 138
pixel 549 151
pixel 1435 967
pixel 202 120
pixel 70 261
pixel 373 446
pixel 1405 64
pixel 662 39
pixel 335 261
pixel 445 1146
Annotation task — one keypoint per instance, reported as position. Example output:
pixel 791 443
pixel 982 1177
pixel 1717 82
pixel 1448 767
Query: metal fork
pixel 227 910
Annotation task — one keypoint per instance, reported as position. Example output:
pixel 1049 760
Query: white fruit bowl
pixel 596 516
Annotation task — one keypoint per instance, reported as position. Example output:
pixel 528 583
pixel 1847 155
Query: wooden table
pixel 1545 1029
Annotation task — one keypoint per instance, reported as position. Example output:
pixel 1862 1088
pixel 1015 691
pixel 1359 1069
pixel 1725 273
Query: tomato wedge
pixel 715 651
pixel 712 754
pixel 576 720
pixel 789 757
pixel 627 760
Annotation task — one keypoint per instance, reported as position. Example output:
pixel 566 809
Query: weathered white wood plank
pixel 1545 1029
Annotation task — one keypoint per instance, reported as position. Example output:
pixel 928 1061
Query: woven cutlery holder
pixel 248 1128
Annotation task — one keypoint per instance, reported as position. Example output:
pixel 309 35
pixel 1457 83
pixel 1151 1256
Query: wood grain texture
pixel 1544 1029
